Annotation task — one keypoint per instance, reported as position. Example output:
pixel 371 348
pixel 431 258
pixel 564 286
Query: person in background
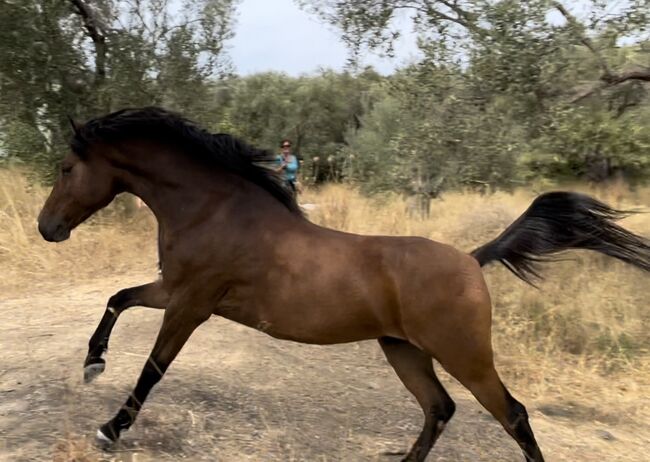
pixel 288 164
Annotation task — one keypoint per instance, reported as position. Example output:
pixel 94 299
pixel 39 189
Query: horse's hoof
pixel 107 434
pixel 103 441
pixel 93 370
pixel 102 438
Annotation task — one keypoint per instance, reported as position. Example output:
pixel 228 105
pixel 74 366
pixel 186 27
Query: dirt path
pixel 235 394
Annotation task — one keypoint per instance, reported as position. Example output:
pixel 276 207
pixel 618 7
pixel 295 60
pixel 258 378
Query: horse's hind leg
pixel 415 369
pixel 462 344
pixel 148 295
pixel 495 397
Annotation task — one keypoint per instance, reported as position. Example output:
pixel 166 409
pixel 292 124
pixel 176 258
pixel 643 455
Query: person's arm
pixel 282 163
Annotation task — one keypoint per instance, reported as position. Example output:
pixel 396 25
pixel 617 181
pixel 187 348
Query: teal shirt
pixel 291 169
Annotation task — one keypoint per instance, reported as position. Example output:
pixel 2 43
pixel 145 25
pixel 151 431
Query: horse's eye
pixel 66 169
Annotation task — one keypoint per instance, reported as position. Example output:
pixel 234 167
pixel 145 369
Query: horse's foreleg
pixel 178 324
pixel 149 295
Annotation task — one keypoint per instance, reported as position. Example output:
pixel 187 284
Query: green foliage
pixel 506 92
pixel 496 100
pixel 21 140
pixel 83 59
pixel 593 144
pixel 315 112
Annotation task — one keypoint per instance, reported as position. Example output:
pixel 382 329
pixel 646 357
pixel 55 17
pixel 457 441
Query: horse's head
pixel 86 183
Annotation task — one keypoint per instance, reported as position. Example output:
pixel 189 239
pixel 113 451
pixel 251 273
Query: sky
pixel 277 35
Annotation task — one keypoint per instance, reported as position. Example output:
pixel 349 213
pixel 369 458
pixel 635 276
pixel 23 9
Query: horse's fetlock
pixel 443 412
pixel 449 408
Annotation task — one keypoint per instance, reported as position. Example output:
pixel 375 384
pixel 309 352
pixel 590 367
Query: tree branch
pixel 91 23
pixel 643 75
pixel 578 29
pixel 612 80
pixel 453 6
pixel 464 18
pixel 97 35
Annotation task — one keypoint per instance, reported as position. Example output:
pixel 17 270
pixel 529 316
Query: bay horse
pixel 221 209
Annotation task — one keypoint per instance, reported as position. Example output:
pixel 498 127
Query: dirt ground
pixel 235 394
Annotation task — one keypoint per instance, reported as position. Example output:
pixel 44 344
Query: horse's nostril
pixel 53 232
pixel 43 229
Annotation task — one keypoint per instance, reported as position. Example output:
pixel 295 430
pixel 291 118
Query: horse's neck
pixel 186 192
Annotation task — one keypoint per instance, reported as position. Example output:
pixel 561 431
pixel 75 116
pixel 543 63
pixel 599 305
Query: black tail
pixel 558 221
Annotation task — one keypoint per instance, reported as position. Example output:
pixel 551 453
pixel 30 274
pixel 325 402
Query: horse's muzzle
pixel 53 232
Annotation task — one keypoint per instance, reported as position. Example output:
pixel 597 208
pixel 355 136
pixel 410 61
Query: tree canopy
pixel 82 58
pixel 505 92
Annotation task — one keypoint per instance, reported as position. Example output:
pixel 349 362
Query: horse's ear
pixel 73 124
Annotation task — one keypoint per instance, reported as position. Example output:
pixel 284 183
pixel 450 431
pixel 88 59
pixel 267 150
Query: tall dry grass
pixel 117 240
pixel 584 335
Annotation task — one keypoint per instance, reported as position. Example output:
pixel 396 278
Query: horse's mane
pixel 222 150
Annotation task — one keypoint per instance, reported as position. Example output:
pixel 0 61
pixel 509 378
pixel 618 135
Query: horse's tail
pixel 558 221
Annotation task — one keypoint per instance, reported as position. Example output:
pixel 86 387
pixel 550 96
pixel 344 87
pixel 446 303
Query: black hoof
pixel 92 368
pixel 106 435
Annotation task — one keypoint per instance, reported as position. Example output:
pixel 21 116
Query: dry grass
pixel 583 337
pixel 118 240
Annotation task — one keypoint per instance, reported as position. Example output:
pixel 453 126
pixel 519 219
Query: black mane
pixel 222 150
